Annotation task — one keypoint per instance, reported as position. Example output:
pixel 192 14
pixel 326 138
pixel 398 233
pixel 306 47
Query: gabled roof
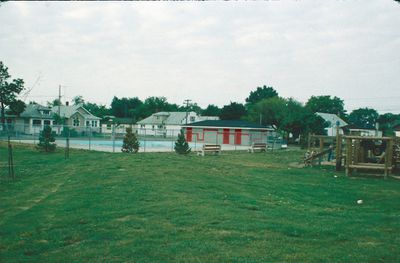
pixel 332 119
pixel 171 118
pixel 36 111
pixel 68 111
pixel 228 124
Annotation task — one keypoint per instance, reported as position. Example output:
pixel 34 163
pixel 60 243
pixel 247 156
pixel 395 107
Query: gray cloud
pixel 212 52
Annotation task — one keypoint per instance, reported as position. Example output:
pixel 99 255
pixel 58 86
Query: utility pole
pixel 187 108
pixel 59 100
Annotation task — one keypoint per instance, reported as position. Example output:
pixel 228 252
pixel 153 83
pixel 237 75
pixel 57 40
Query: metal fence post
pixel 113 137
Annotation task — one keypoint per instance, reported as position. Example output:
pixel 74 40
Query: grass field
pixel 159 207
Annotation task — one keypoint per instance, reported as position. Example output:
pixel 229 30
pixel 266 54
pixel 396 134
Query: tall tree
pixel 261 93
pixel 233 111
pixel 364 117
pixel 55 102
pixel 122 107
pixel 97 110
pixel 386 122
pixel 211 110
pixel 270 111
pixel 9 90
pixel 17 107
pixel 326 104
pixel 78 100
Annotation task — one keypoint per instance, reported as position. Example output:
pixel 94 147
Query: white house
pixel 78 118
pixel 333 122
pixel 168 123
pixel 33 119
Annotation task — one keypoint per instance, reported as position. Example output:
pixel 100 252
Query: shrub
pixel 47 140
pixel 130 142
pixel 181 145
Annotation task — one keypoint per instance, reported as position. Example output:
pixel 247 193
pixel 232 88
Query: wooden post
pixel 338 151
pixel 348 156
pixel 388 157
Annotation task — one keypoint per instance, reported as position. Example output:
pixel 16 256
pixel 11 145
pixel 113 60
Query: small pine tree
pixel 47 140
pixel 130 142
pixel 181 145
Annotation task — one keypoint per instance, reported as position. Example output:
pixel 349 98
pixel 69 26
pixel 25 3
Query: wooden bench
pixel 258 146
pixel 215 148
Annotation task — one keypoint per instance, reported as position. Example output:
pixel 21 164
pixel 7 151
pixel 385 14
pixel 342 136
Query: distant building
pixel 168 123
pixel 333 122
pixel 356 130
pixel 110 124
pixel 234 132
pixel 78 118
pixel 32 119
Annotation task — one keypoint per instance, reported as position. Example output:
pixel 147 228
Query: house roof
pixel 68 111
pixel 228 124
pixel 36 111
pixel 332 119
pixel 172 118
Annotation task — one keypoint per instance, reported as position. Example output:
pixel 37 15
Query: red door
pixel 225 138
pixel 238 136
pixel 189 133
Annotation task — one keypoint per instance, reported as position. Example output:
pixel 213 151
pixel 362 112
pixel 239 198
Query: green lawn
pixel 158 207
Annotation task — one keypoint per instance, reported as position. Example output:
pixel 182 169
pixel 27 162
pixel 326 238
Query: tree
pixel 123 107
pixel 386 122
pixel 130 143
pixel 326 104
pixel 364 118
pixel 47 140
pixel 233 111
pixel 181 145
pixel 78 100
pixel 17 107
pixel 270 111
pixel 8 91
pixel 55 102
pixel 96 110
pixel 261 93
pixel 211 110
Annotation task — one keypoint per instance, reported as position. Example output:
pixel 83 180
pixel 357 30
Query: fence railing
pixel 151 140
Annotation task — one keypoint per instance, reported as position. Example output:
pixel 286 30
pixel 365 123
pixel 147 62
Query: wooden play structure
pixel 321 145
pixel 354 153
pixel 371 154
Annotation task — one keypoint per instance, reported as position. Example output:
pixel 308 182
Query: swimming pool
pixel 111 146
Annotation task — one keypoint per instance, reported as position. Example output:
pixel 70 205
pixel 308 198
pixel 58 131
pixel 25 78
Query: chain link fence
pixel 110 138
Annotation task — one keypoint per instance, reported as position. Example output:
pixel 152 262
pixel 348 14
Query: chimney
pixel 66 103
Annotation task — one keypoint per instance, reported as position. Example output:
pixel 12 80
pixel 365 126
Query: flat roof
pixel 228 124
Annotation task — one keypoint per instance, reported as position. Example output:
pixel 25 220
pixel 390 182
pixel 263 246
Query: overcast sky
pixel 210 52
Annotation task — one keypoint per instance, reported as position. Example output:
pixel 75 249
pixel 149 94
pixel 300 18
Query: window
pixel 46 112
pixel 87 123
pixel 160 126
pixel 75 122
pixel 142 126
pixel 152 127
pixel 108 126
pixel 37 122
pixel 192 118
pixel 94 123
pixel 46 122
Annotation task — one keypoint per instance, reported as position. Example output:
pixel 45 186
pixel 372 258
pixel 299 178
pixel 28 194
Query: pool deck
pixel 142 149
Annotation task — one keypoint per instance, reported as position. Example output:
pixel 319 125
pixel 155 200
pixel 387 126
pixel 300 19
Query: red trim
pixel 225 136
pixel 189 132
pixel 238 136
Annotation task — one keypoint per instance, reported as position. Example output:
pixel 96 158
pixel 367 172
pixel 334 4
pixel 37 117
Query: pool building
pixel 233 132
